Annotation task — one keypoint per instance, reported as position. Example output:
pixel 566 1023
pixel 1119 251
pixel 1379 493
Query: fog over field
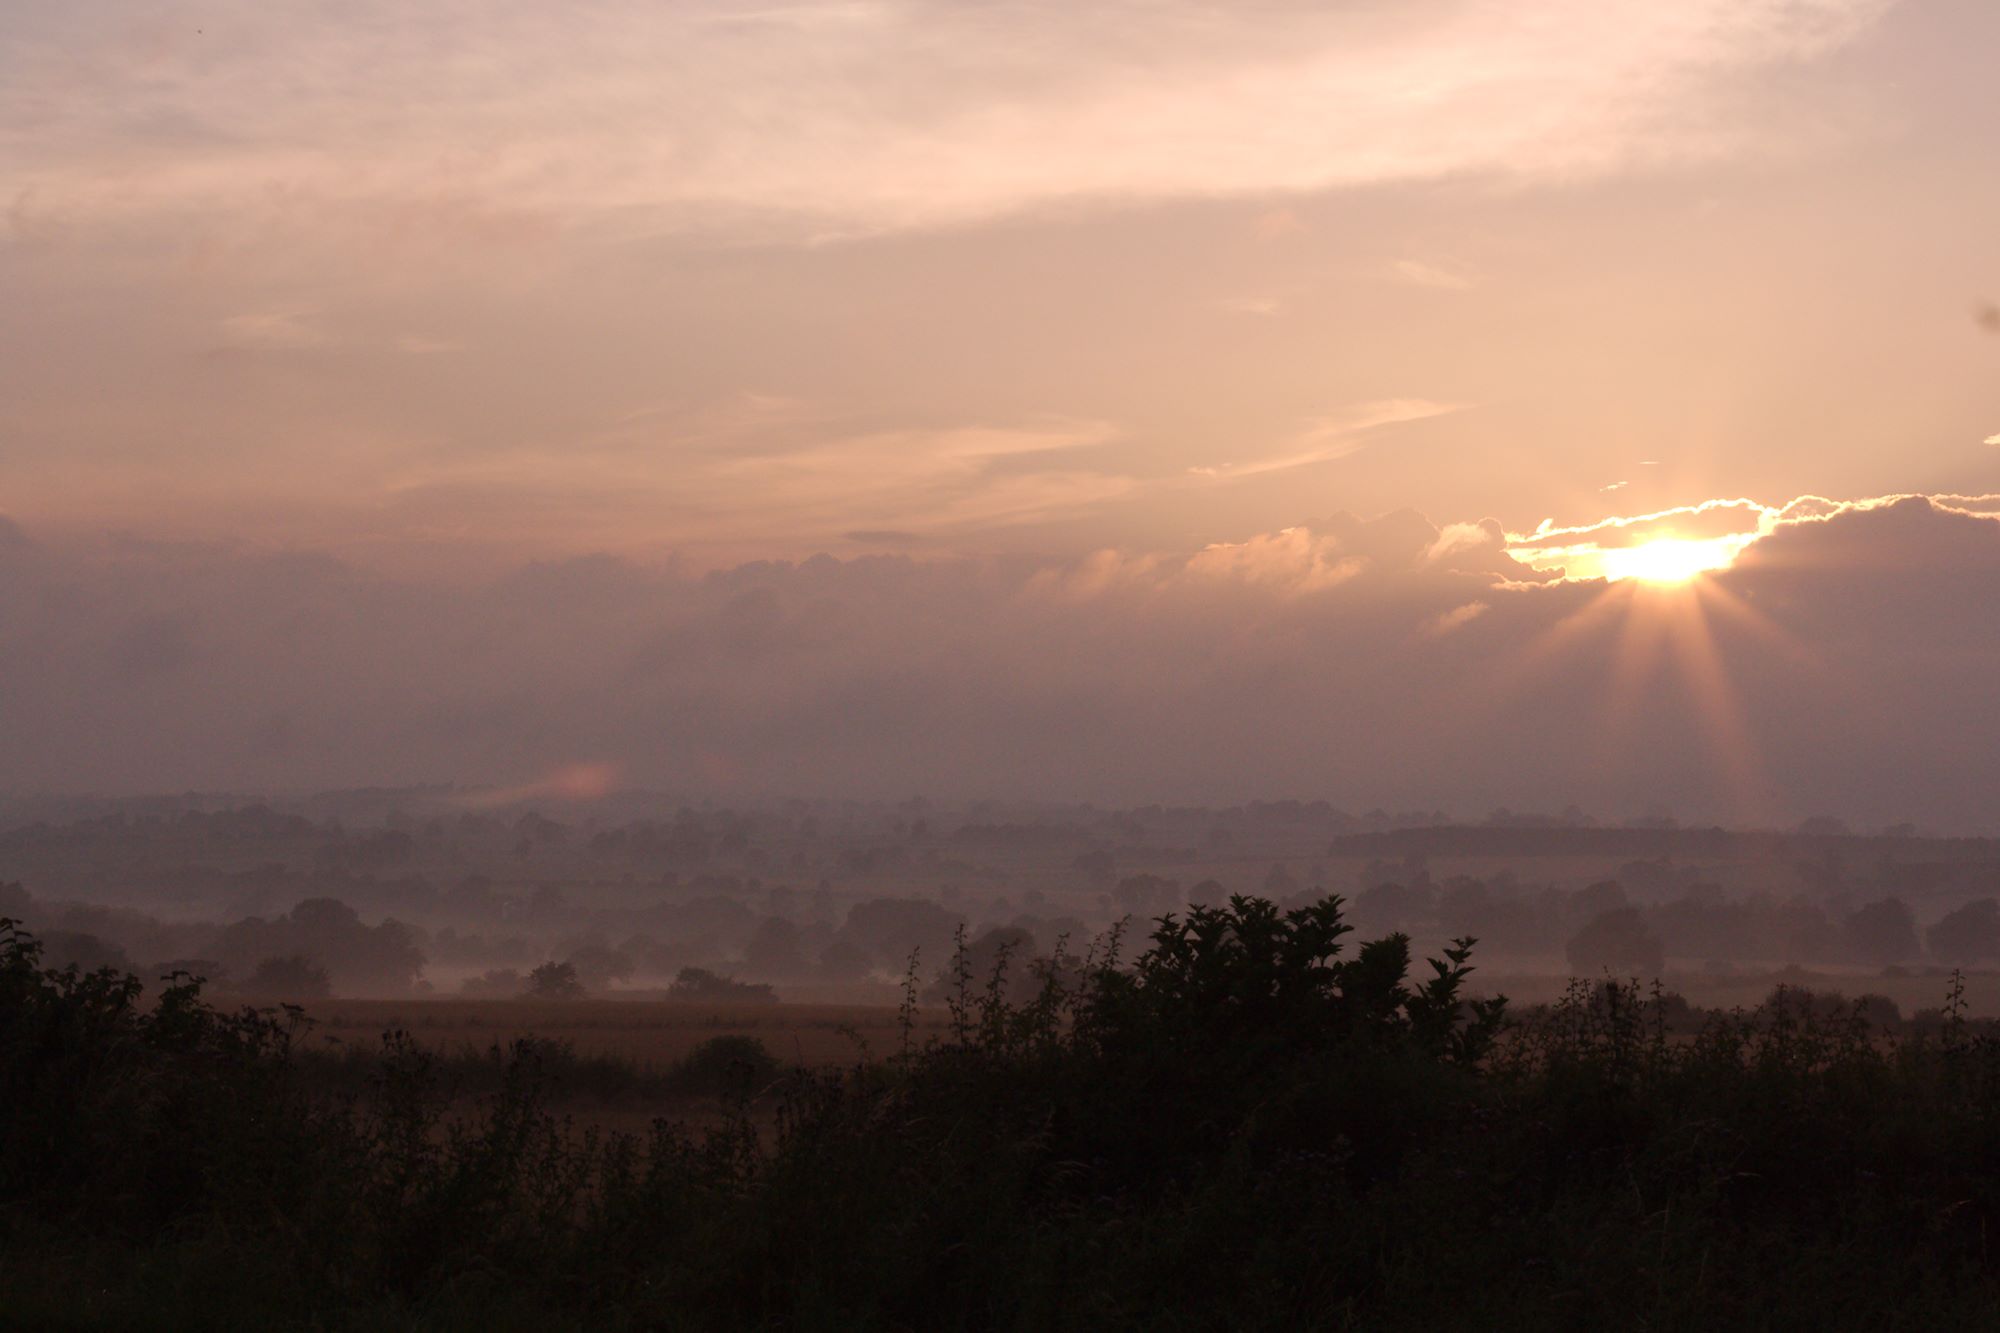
pixel 441 893
pixel 902 664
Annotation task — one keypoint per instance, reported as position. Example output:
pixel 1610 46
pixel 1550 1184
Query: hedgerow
pixel 1245 1125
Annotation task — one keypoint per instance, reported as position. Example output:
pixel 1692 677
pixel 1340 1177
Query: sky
pixel 1127 401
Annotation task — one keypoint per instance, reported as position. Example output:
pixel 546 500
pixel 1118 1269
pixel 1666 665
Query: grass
pixel 1249 1124
pixel 646 1033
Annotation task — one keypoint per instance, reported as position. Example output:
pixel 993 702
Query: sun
pixel 1668 560
pixel 1653 612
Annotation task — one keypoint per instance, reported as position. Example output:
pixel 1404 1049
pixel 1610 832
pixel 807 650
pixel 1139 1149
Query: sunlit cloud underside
pixel 1677 546
pixel 1668 547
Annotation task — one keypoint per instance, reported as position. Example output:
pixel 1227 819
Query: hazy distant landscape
pixel 832 1064
pixel 901 665
pixel 400 895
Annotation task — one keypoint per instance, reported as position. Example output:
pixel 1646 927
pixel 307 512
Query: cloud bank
pixel 1842 665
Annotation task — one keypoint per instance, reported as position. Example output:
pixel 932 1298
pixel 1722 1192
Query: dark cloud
pixel 1843 665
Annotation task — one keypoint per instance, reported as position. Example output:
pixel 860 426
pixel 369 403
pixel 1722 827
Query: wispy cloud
pixel 278 330
pixel 754 469
pixel 1456 618
pixel 1422 273
pixel 504 120
pixel 1334 436
pixel 1250 305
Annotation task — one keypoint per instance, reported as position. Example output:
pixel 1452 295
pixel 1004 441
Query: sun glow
pixel 1664 632
pixel 1669 560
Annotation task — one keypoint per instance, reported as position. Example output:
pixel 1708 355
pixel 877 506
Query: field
pixel 650 1034
pixel 1232 1133
pixel 653 1034
pixel 1913 991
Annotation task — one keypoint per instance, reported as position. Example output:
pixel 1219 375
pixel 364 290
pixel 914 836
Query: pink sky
pixel 1102 319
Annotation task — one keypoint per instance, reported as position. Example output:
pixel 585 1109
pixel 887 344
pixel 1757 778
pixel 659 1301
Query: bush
pixel 555 981
pixel 500 983
pixel 1248 1125
pixel 1616 941
pixel 698 983
pixel 730 1064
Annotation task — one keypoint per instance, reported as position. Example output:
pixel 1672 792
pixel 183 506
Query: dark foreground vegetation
pixel 1246 1126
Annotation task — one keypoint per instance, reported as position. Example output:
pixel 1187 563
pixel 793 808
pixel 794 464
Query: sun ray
pixel 1718 712
pixel 1667 629
pixel 1634 665
pixel 1718 597
pixel 1564 636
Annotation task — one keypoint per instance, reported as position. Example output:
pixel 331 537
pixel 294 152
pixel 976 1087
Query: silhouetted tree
pixel 1595 900
pixel 843 960
pixel 1822 826
pixel 1147 895
pixel 1880 932
pixel 1968 934
pixel 891 928
pixel 1279 882
pixel 1879 1010
pixel 1097 867
pixel 1005 951
pixel 86 953
pixel 555 981
pixel 1803 931
pixel 499 983
pixel 1388 907
pixel 1617 940
pixel 294 977
pixel 359 958
pixel 773 949
pixel 698 983
pixel 206 969
pixel 599 966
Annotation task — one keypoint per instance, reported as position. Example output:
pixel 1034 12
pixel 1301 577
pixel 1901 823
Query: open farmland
pixel 650 1034
pixel 1912 991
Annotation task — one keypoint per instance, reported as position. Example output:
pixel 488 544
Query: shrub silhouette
pixel 698 983
pixel 734 1064
pixel 1618 941
pixel 1967 934
pixel 86 952
pixel 555 981
pixel 495 983
pixel 1250 1124
pixel 599 967
pixel 1881 932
